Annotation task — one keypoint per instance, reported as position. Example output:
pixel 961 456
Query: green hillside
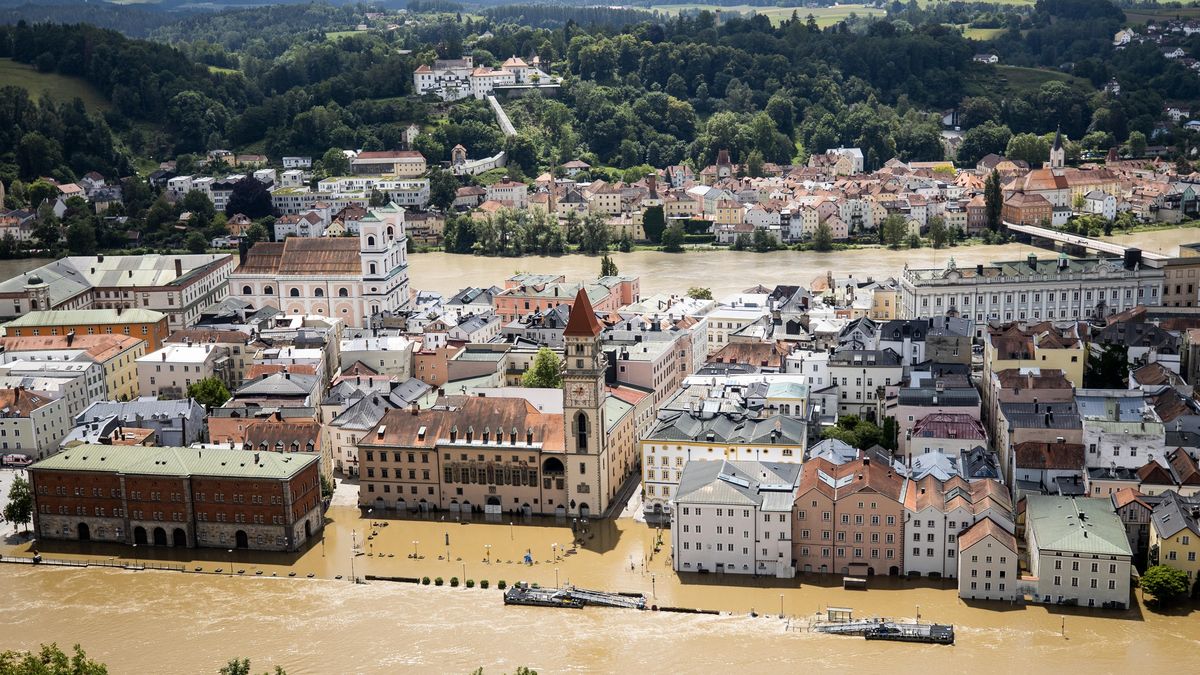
pixel 59 87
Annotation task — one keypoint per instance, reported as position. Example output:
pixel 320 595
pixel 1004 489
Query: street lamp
pixel 554 552
pixel 488 548
pixel 781 605
pixel 511 535
pixel 653 587
pixel 464 576
pixel 135 558
pixel 230 562
pixel 556 584
pixel 415 542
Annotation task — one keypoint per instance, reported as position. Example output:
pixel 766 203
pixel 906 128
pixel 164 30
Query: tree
pixel 823 238
pixel 654 223
pixel 893 231
pixel 855 431
pixel 672 239
pixel 251 197
pixel 195 242
pixel 255 233
pixel 334 163
pixel 242 667
pixel 1030 148
pixel 209 392
pixel 19 509
pixel 982 140
pixel 1107 367
pixel 625 243
pixel 1137 143
pixel 1166 584
pixel 993 199
pixel 754 164
pixel 545 372
pixel 594 235
pixel 763 241
pixel 81 237
pixel 939 234
pixel 608 268
pixel 50 660
pixel 700 293
pixel 443 188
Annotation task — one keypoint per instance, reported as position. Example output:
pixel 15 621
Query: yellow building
pixel 1175 534
pixel 729 212
pixel 884 303
pixel 1037 345
pixel 117 354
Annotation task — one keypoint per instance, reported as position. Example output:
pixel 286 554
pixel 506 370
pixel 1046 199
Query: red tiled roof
pixel 582 321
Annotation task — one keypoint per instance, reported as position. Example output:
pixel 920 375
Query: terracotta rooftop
pixel 983 528
pixel 583 321
pixel 304 256
pixel 20 402
pixel 99 347
pixel 1049 456
pixel 463 414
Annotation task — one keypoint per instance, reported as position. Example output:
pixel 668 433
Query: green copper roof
pixel 141 460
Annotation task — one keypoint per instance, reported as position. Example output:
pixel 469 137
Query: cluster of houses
pixel 456 79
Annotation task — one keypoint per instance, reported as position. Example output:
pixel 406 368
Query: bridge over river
pixel 1067 240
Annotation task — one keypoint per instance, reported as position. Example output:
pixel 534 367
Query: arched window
pixel 370 241
pixel 372 268
pixel 320 292
pixel 268 291
pixel 343 293
pixel 246 290
pixel 581 431
pixel 295 292
pixel 391 234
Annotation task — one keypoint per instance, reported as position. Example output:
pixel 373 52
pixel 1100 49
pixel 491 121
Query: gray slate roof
pixel 766 485
pixel 682 425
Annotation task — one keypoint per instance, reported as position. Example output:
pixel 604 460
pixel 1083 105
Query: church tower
pixel 583 410
pixel 1058 154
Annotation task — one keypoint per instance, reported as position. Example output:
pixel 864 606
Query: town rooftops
pixel 1049 456
pixel 305 256
pixel 21 402
pixel 723 427
pixel 1041 415
pixel 84 317
pixel 208 462
pixel 769 486
pixel 949 425
pixel 1175 514
pixel 1076 525
pixel 99 347
pixel 983 528
pixel 70 276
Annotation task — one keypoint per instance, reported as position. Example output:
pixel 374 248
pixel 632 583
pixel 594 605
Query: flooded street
pixel 157 621
pixel 728 272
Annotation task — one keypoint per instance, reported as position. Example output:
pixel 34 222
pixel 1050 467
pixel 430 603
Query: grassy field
pixel 981 33
pixel 1144 14
pixel 59 87
pixel 1023 80
pixel 335 35
pixel 226 71
pixel 826 16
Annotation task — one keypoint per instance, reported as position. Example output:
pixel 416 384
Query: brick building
pixel 178 497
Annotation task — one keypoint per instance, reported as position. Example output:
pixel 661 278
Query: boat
pixel 929 633
pixel 524 594
pixel 570 597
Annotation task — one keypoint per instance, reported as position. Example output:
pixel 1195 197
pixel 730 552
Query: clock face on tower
pixel 578 395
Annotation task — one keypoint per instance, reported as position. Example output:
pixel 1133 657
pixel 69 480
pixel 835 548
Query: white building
pixel 168 372
pixel 937 512
pixel 345 278
pixel 1032 289
pixel 679 436
pixel 1120 428
pixel 1078 551
pixel 735 517
pixel 987 562
pixel 861 377
pixel 32 422
pixel 385 355
pixel 732 315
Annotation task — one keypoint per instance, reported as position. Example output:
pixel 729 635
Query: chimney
pixel 178 268
pixel 100 258
pixel 1032 261
pixel 256 458
pixel 70 337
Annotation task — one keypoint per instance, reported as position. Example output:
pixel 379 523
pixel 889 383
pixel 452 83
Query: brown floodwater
pixel 728 272
pixel 171 622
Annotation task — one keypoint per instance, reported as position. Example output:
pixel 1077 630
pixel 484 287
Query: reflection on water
pixel 130 619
